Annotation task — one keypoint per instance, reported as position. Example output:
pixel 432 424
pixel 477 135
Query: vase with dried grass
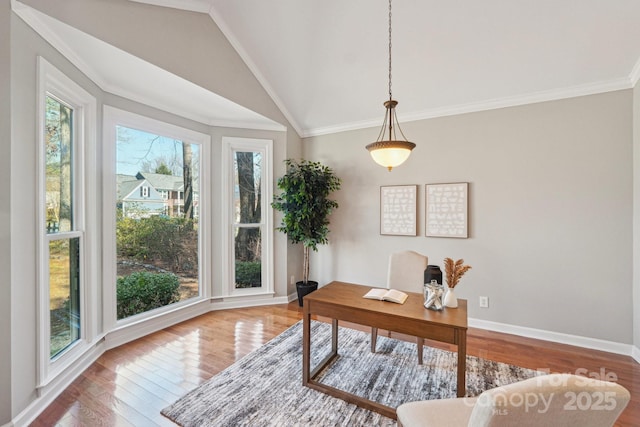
pixel 453 270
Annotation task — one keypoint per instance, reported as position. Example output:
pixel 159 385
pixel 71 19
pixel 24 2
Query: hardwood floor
pixel 129 385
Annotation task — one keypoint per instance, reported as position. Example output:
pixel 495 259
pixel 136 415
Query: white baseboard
pixel 147 326
pixel 635 353
pixel 576 340
pixel 119 337
pixel 48 394
pixel 293 297
pixel 224 304
pixel 141 328
pixel 131 332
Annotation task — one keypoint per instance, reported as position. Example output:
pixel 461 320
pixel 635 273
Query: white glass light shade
pixel 390 153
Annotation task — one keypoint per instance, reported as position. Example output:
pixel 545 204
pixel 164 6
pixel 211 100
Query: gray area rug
pixel 265 387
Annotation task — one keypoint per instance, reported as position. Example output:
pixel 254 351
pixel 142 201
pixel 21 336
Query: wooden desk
pixel 344 301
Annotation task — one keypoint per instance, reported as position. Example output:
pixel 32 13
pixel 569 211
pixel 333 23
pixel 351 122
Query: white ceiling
pixel 325 62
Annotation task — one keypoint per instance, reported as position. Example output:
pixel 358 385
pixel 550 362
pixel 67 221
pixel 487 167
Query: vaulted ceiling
pixel 325 62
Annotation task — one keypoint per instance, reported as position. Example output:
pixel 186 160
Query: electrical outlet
pixel 293 280
pixel 484 302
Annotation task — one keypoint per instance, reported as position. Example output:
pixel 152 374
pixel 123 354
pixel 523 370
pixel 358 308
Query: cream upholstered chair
pixel 555 400
pixel 405 273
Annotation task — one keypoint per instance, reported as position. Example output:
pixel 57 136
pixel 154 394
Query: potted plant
pixel 306 206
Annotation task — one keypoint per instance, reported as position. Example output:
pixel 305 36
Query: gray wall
pixel 18 135
pixel 26 45
pixel 5 217
pixel 636 217
pixel 550 211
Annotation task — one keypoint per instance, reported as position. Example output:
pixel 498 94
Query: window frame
pixel 113 117
pixel 53 83
pixel 230 145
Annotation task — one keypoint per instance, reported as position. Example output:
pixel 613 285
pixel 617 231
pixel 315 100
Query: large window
pixel 67 304
pixel 156 209
pixel 249 215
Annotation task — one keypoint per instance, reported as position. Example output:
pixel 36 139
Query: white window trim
pixel 229 146
pixel 52 81
pixel 113 117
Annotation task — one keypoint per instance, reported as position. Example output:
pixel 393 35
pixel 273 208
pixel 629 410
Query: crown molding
pixel 192 115
pixel 493 104
pixel 634 76
pixel 201 6
pixel 345 127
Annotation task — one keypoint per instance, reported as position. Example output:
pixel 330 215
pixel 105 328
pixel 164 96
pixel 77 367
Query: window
pixel 63 235
pixel 248 216
pixel 67 303
pixel 157 237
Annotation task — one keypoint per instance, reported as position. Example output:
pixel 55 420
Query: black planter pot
pixel 305 289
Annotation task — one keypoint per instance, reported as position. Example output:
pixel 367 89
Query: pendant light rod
pixel 390 96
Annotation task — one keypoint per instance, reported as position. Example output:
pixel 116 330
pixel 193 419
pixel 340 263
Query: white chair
pixel 556 400
pixel 405 273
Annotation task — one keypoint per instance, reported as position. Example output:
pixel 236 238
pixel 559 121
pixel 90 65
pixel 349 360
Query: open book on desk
pixel 392 295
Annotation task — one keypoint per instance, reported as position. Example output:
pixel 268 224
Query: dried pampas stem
pixel 454 271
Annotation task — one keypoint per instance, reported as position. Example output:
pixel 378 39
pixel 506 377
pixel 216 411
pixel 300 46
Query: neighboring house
pixel 171 188
pixel 148 194
pixel 138 198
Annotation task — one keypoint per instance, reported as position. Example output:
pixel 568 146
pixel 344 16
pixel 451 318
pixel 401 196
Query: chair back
pixel 406 271
pixel 551 400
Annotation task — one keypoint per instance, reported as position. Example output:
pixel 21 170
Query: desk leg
pixel 462 362
pixel 306 345
pixel 334 336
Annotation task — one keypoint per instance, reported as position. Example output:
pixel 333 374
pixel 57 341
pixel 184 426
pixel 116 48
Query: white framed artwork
pixel 447 210
pixel 398 210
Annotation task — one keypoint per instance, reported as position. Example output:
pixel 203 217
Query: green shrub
pixel 143 291
pixel 248 274
pixel 171 242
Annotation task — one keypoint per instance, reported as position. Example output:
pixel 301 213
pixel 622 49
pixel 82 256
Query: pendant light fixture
pixel 390 151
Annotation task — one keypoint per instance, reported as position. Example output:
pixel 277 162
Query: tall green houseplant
pixel 306 205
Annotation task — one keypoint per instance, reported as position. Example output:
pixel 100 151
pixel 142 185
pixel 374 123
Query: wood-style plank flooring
pixel 129 385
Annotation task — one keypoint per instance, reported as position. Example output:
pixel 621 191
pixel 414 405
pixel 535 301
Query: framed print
pixel 398 210
pixel 447 210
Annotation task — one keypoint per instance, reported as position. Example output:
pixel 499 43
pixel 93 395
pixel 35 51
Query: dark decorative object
pixel 305 289
pixel 433 272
